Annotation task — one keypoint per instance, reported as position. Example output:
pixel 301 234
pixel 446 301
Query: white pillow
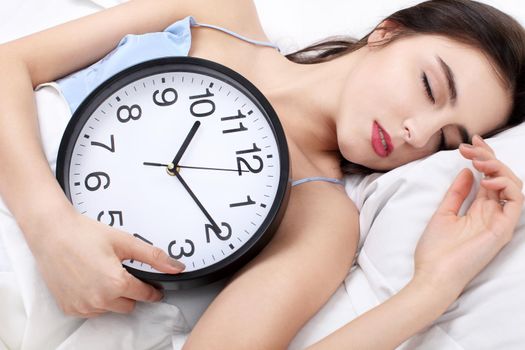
pixel 395 209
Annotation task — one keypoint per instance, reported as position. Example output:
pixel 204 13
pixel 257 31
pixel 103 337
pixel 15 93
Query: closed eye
pixel 428 89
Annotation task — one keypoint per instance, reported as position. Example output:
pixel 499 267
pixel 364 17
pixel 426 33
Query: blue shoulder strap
pixel 131 50
pixel 318 178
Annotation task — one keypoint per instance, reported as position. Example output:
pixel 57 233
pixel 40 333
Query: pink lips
pixel 377 143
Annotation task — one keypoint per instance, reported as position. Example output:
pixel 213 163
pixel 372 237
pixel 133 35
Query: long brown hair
pixel 481 26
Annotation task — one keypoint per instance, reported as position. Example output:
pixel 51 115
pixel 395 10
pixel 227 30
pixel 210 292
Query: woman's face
pixel 402 100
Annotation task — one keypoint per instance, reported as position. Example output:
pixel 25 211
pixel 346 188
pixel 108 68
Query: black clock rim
pixel 262 236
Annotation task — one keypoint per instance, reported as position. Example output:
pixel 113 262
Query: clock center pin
pixel 171 170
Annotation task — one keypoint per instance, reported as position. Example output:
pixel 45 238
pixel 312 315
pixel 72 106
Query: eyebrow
pixel 453 93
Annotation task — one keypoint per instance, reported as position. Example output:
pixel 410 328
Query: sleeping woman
pixel 431 77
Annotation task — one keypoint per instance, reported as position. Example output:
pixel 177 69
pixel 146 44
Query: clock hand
pixel 199 204
pixel 192 167
pixel 185 144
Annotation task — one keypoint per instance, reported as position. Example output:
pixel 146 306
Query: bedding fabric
pixel 395 208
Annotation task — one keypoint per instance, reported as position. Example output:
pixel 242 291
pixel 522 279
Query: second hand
pixel 191 167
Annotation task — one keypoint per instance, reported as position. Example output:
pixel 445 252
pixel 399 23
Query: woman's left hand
pixel 454 249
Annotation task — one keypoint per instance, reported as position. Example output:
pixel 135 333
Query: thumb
pixel 456 194
pixel 133 248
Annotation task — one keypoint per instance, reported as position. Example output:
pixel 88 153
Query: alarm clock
pixel 184 154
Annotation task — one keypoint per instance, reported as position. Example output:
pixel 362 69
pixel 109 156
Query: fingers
pixel 135 289
pixel 456 194
pixel 484 160
pixel 508 191
pixel 129 247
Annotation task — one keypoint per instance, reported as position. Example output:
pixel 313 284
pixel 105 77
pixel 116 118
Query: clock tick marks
pixel 117 98
pixel 263 205
pixel 163 80
pixel 231 246
pixel 77 183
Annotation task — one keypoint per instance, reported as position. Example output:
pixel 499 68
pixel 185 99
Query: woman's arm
pixel 269 300
pixel 58 51
pixel 80 259
pixel 451 252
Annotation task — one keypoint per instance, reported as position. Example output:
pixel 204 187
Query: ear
pixel 383 32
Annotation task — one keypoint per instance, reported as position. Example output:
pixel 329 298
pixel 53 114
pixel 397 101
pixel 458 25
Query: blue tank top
pixel 133 49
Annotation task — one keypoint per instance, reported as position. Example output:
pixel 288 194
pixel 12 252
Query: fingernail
pixel 466 145
pixel 176 264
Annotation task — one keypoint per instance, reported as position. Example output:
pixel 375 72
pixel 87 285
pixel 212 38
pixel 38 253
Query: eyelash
pixel 428 92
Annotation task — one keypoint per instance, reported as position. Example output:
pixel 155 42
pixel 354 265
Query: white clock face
pixel 222 188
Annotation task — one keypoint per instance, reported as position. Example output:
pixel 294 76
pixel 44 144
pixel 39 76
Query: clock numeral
pixel 136 235
pixel 249 201
pixel 254 169
pixel 207 106
pixel 109 148
pixel 183 252
pixel 126 113
pixel 112 215
pixel 98 176
pixel 233 117
pixel 222 235
pixel 254 149
pixel 168 97
pixel 241 126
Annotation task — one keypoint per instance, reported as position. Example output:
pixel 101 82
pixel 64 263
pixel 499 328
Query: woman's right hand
pixel 81 262
pixel 454 249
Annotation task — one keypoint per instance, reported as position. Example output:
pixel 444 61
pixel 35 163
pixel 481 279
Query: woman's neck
pixel 306 96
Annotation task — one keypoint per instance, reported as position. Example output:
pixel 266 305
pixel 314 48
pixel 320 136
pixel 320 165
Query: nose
pixel 419 130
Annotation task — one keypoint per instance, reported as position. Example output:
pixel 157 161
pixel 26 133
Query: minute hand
pixel 186 143
pixel 199 204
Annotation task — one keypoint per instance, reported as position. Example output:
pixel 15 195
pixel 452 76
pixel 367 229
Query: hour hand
pixel 185 145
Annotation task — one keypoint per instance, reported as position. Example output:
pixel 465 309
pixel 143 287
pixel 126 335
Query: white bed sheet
pixel 290 24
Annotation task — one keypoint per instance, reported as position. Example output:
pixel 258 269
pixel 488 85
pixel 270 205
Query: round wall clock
pixel 184 154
